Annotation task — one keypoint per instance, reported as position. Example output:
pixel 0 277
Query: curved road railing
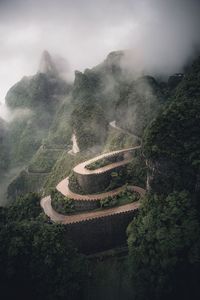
pixel 63 188
pixel 82 167
pixel 81 217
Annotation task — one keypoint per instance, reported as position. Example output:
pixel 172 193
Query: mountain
pixel 106 109
pixel 164 238
pixel 172 145
pixel 98 96
pixel 4 155
pixel 47 65
pixel 34 102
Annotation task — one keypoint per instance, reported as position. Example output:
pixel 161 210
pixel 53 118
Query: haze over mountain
pixel 100 149
pixel 162 34
pixel 47 66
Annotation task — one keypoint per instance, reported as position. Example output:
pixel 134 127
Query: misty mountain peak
pixel 114 58
pixel 47 65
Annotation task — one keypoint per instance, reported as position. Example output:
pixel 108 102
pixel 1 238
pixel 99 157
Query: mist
pixel 160 35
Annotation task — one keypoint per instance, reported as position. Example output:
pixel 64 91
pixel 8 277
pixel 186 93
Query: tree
pixel 164 248
pixel 37 260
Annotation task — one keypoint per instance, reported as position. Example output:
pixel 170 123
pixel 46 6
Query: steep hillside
pixel 164 243
pixel 40 110
pixel 139 103
pixel 172 144
pixel 99 95
pixel 108 92
pixel 34 101
pixel 4 155
pixel 90 125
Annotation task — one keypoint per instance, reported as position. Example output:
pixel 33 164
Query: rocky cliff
pixel 172 141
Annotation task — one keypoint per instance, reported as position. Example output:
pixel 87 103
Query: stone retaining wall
pixel 101 233
pixel 97 183
pixel 86 205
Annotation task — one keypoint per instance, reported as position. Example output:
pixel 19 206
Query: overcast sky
pixel 162 33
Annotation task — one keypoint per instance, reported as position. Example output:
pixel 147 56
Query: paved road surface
pixel 64 219
pixel 63 188
pixel 81 168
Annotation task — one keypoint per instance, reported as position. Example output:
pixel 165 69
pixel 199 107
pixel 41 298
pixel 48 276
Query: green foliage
pixel 86 85
pixel 45 107
pixel 175 132
pixel 164 248
pixel 4 150
pixel 61 203
pixel 190 86
pixel 138 104
pixel 44 160
pixel 119 140
pixel 25 183
pixel 24 208
pixel 137 170
pixel 123 198
pixel 172 145
pixel 118 179
pixel 164 243
pixel 105 161
pixel 36 258
pixel 21 142
pixel 89 124
pixel 35 91
pixel 109 279
pixel 62 169
pixel 60 131
pixel 127 196
pixel 74 185
pixel 108 202
pixel 34 101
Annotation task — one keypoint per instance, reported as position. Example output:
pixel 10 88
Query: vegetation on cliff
pixel 90 125
pixel 4 149
pixel 164 244
pixel 35 257
pixel 172 143
pixel 139 102
pixel 61 204
pixel 51 115
pixel 164 248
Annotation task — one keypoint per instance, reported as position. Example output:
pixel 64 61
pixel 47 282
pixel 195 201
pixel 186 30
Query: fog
pixel 161 35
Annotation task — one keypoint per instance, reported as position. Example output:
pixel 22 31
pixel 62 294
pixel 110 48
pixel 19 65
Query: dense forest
pixel 163 258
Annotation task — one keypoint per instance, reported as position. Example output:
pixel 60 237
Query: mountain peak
pixel 47 65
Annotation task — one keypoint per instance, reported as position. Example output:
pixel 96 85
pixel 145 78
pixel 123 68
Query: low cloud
pixel 162 35
pixel 10 115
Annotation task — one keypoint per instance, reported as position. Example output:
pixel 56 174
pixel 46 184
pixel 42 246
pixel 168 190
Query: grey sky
pixel 161 32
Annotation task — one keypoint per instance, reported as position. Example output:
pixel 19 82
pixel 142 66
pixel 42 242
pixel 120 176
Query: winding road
pixel 81 168
pixel 113 124
pixel 75 148
pixel 63 188
pixel 70 219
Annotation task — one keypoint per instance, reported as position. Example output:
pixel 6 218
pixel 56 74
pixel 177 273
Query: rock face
pixel 47 65
pixel 175 79
pixel 165 175
pixel 138 104
pixel 172 144
pixel 4 155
